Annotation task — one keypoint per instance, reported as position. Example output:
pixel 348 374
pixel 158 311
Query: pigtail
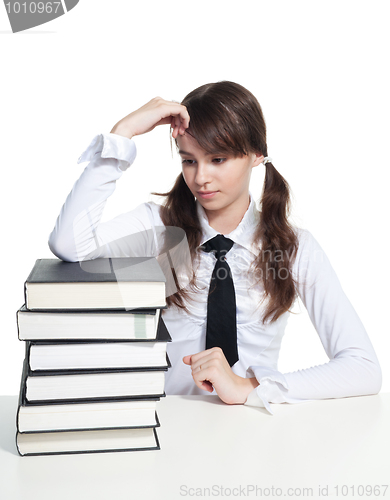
pixel 279 245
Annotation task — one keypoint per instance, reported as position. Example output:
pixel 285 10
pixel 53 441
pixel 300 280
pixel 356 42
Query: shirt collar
pixel 242 235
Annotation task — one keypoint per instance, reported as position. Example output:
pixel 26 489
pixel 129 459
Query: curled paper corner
pixel 69 4
pixel 31 13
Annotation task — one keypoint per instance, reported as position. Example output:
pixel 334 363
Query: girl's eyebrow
pixel 181 152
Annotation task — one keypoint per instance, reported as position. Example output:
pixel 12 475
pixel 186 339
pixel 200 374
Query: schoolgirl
pixel 237 271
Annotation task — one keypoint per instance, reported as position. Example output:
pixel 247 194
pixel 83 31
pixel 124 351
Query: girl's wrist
pixel 119 129
pixel 247 386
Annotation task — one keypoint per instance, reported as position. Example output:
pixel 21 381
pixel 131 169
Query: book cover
pixel 120 283
pixel 100 354
pixel 91 441
pixel 92 385
pixel 99 324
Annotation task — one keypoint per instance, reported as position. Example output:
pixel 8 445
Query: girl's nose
pixel 202 174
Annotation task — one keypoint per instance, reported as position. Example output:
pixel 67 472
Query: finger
pixel 213 353
pixel 187 359
pixel 182 130
pixel 207 386
pixel 201 364
pixel 174 114
pixel 182 118
pixel 181 112
pixel 201 354
pixel 177 125
pixel 172 118
pixel 186 118
pixel 196 358
pixel 203 378
pixel 173 126
pixel 170 108
pixel 184 123
pixel 202 382
pixel 208 365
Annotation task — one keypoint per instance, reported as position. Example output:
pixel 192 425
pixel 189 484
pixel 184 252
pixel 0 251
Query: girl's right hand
pixel 155 112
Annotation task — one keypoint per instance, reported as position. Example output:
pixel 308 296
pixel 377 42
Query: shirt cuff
pixel 111 146
pixel 272 385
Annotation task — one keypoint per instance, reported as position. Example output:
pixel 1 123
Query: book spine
pixel 17 324
pixel 22 394
pixel 102 399
pixel 29 278
pixel 95 371
pixel 25 294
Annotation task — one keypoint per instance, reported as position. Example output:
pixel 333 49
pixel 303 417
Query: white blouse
pixel 353 368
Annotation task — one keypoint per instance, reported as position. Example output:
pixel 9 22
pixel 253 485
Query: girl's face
pixel 218 181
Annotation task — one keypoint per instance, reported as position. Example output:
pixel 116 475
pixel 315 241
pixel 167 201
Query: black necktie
pixel 221 330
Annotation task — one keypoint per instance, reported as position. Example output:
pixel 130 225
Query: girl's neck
pixel 227 219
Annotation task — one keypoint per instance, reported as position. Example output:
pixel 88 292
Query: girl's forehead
pixel 188 144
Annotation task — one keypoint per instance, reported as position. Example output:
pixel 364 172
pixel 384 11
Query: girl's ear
pixel 258 158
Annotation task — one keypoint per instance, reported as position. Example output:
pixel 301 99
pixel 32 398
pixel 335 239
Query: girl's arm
pixel 78 233
pixel 353 368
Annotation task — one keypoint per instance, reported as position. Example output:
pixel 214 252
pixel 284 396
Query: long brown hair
pixel 226 117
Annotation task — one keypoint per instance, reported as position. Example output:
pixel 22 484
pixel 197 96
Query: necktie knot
pixel 219 244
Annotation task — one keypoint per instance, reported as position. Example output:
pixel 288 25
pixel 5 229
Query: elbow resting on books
pixel 61 249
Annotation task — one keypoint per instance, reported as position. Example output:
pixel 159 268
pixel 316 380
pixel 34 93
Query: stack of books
pixel 96 356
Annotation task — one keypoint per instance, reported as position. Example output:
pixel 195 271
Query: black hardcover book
pixel 121 283
pixel 109 414
pixel 93 385
pixel 94 441
pixel 136 324
pixel 100 355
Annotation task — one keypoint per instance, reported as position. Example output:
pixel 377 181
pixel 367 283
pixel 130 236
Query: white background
pixel 320 71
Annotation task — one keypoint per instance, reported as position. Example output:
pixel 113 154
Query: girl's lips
pixel 207 194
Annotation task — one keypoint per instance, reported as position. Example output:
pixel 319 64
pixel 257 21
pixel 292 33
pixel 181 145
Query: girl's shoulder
pixel 306 240
pixel 310 253
pixel 304 235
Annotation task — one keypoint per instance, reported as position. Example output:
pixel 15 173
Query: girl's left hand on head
pixel 210 369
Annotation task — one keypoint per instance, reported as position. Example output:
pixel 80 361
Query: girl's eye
pixel 188 162
pixel 219 160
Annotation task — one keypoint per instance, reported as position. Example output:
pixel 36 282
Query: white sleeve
pixel 78 234
pixel 353 368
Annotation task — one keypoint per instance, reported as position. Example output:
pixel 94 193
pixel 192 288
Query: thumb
pixel 187 359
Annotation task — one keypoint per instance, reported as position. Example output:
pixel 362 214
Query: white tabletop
pixel 209 449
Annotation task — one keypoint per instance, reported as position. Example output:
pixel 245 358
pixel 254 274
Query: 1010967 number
pixel 32 7
pixel 361 490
